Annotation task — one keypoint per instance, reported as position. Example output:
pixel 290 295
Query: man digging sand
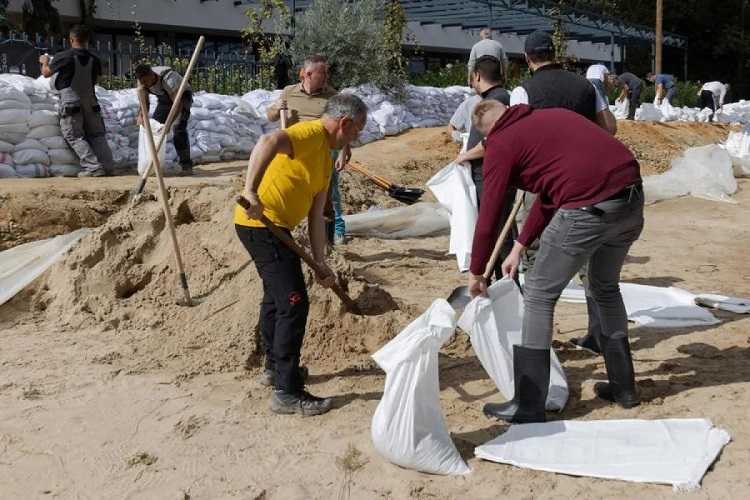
pixel 288 176
pixel 588 210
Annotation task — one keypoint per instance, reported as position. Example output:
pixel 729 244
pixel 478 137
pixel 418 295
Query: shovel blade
pixel 405 195
pixel 459 298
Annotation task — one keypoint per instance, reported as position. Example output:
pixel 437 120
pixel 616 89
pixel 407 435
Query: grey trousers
pixel 85 133
pixel 572 239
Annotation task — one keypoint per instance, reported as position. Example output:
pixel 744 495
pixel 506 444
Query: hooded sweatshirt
pixel 569 161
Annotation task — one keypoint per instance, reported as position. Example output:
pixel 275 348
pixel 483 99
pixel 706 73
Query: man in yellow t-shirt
pixel 287 180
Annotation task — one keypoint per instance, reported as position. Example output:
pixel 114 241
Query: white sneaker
pixel 339 239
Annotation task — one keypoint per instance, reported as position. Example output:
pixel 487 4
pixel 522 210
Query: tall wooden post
pixel 659 36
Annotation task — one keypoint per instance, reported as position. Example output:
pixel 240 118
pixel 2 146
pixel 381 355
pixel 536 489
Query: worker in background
pixel 76 71
pixel 598 75
pixel 712 96
pixel 164 82
pixel 289 173
pixel 665 87
pixel 630 87
pixel 305 101
pixel 460 122
pixel 588 210
pixel 551 86
pixel 486 46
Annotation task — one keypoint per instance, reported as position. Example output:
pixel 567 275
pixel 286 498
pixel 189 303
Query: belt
pixel 624 194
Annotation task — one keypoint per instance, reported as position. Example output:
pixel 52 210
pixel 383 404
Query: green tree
pixel 40 16
pixel 88 10
pixel 268 46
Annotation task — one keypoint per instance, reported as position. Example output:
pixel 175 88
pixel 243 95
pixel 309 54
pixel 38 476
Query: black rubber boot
pixel 531 378
pixel 592 339
pixel 621 388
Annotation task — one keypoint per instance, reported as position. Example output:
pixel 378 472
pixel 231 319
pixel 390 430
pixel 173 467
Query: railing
pixel 224 73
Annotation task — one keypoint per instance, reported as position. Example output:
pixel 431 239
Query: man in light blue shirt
pixel 664 85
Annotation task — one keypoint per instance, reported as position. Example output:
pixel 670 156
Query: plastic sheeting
pixel 21 265
pixel 703 172
pixel 669 451
pixel 494 326
pixel 454 189
pixel 414 221
pixel 408 427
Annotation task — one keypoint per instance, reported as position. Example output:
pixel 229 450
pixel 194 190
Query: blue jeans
pixel 338 221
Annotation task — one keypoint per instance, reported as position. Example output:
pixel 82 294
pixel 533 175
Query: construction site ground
pixel 109 389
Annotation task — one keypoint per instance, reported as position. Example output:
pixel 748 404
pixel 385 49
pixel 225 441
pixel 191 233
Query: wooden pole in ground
pixel 659 42
pixel 163 194
pixel 173 112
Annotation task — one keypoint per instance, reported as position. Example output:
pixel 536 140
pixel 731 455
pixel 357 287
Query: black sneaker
pixel 304 403
pixel 99 172
pixel 268 376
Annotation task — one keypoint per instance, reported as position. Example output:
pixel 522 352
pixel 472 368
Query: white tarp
pixel 454 189
pixel 494 326
pixel 408 427
pixel 653 306
pixel 413 221
pixel 669 451
pixel 21 265
pixel 732 304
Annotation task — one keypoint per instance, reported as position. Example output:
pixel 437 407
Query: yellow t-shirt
pixel 290 184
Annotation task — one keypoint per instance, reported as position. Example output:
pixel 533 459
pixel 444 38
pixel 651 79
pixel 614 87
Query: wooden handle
pixel 294 247
pixel 381 182
pixel 501 238
pixel 174 110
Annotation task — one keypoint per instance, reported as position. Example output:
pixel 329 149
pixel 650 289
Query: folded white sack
pixel 670 451
pixel 408 427
pixel 494 326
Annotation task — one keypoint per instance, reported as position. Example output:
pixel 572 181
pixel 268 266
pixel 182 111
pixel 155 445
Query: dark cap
pixel 539 42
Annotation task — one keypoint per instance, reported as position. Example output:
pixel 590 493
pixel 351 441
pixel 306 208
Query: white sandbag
pixel 621 108
pixel 494 326
pixel 14 128
pixel 413 221
pixel 22 264
pixel 30 144
pixel 29 156
pixel 32 170
pixel 144 150
pixel 6 147
pixel 12 98
pixel 736 305
pixel 40 118
pixel 64 170
pixel 704 172
pixel 44 131
pixel 454 189
pixel 13 137
pixel 738 147
pixel 6 158
pixel 408 427
pixel 62 156
pixel 670 451
pixel 7 172
pixel 13 116
pixel 56 142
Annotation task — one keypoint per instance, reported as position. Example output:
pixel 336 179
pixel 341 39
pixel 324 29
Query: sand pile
pixel 122 277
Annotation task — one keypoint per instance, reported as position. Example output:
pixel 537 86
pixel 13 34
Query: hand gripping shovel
pixel 405 195
pixel 459 297
pixel 349 304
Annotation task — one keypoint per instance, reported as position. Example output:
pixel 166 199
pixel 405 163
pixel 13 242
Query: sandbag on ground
pixel 494 325
pixel 408 427
pixel 670 451
pixel 414 221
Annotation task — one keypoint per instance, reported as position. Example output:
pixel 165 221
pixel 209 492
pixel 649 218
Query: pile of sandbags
pixel 665 112
pixel 738 147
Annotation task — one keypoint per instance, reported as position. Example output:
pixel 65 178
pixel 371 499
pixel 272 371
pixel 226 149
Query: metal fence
pixel 224 73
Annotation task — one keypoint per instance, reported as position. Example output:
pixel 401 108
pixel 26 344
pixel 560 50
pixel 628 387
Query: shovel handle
pixel 501 238
pixel 294 247
pixel 380 181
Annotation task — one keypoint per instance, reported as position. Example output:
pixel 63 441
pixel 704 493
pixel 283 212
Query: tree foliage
pixel 268 25
pixel 40 16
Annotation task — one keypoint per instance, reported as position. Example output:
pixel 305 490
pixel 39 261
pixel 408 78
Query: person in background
pixel 76 71
pixel 288 176
pixel 630 87
pixel 305 101
pixel 164 82
pixel 665 86
pixel 460 122
pixel 598 75
pixel 712 96
pixel 486 46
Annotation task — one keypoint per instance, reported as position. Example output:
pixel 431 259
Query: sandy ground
pixel 109 390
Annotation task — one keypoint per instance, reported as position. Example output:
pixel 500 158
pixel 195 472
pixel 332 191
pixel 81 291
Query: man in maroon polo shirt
pixel 589 209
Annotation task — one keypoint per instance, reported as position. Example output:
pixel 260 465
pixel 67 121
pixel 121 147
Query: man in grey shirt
pixel 486 46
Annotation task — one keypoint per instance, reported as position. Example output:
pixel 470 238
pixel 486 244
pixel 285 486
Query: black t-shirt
pixel 632 81
pixel 496 93
pixel 64 64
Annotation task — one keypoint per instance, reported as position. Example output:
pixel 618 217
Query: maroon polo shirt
pixel 567 160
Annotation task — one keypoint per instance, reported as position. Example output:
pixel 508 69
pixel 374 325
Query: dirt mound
pixel 122 277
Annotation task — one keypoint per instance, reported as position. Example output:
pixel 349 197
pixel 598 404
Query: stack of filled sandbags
pixel 31 158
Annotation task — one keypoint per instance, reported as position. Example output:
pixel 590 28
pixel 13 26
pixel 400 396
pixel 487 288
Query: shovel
pixel 405 195
pixel 459 297
pixel 349 304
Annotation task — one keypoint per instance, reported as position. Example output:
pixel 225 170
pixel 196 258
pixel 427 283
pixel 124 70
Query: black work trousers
pixel 285 304
pixel 708 101
pixel 181 138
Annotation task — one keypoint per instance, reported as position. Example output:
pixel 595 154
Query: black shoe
pixel 531 379
pixel 303 402
pixel 187 171
pixel 591 341
pixel 99 172
pixel 621 388
pixel 268 377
